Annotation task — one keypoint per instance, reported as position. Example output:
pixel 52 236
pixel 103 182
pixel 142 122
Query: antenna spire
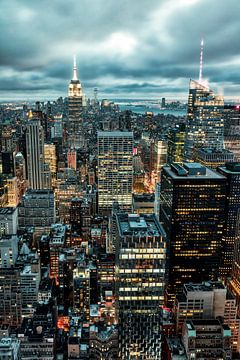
pixel 75 77
pixel 201 61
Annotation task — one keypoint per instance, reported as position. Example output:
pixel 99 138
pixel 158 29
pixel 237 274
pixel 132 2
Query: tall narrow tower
pixel 201 62
pixel 35 154
pixel 75 107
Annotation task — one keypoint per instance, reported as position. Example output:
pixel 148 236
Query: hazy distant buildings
pixel 205 124
pixel 140 281
pixel 115 170
pixel 192 212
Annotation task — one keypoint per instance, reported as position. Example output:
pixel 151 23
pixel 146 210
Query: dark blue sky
pixel 127 48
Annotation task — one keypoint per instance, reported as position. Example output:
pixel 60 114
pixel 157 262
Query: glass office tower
pixel 192 211
pixel 205 123
pixel 140 282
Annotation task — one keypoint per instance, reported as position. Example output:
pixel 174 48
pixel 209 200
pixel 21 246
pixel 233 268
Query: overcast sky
pixel 126 48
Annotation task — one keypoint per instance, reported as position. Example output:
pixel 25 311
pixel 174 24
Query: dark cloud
pixel 138 47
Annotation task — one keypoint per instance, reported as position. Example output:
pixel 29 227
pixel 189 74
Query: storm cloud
pixel 138 48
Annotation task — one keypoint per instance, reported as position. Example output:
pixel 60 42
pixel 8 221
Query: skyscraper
pixel 140 281
pixel 35 154
pixel 176 140
pixel 204 120
pixel 232 173
pixel 232 129
pixel 192 211
pixel 115 170
pixel 75 107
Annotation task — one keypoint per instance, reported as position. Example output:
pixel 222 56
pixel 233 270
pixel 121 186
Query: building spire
pixel 201 62
pixel 75 77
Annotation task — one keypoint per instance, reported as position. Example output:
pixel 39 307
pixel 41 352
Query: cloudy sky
pixel 126 48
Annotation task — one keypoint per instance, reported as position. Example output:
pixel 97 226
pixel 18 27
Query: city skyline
pixel 145 49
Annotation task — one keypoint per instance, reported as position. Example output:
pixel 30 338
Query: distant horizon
pixel 137 49
pixel 112 98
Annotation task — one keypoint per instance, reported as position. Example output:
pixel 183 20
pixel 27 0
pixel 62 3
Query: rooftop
pixel 205 286
pixel 140 225
pixel 194 171
pixel 115 134
pixel 232 167
pixel 7 211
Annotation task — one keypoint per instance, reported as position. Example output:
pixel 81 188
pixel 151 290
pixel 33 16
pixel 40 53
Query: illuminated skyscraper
pixel 158 158
pixel 176 140
pixel 35 154
pixel 205 123
pixel 192 212
pixel 232 129
pixel 232 173
pixel 115 170
pixel 75 107
pixel 140 281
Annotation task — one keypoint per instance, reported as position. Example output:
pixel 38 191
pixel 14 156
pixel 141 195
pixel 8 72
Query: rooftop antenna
pixel 201 62
pixel 75 68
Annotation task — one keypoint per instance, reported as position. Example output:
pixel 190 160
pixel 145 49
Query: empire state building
pixel 75 108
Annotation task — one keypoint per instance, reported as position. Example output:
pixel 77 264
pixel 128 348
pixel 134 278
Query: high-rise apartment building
pixel 205 124
pixel 140 282
pixel 192 212
pixel 115 170
pixel 35 154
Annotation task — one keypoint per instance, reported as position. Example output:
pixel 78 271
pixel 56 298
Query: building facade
pixel 205 124
pixel 140 281
pixel 115 170
pixel 192 212
pixel 35 154
pixel 230 234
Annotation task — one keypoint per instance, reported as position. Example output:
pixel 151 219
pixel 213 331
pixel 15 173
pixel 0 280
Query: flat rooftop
pixel 231 168
pixel 205 286
pixel 215 151
pixel 140 225
pixel 115 134
pixel 7 211
pixel 194 171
